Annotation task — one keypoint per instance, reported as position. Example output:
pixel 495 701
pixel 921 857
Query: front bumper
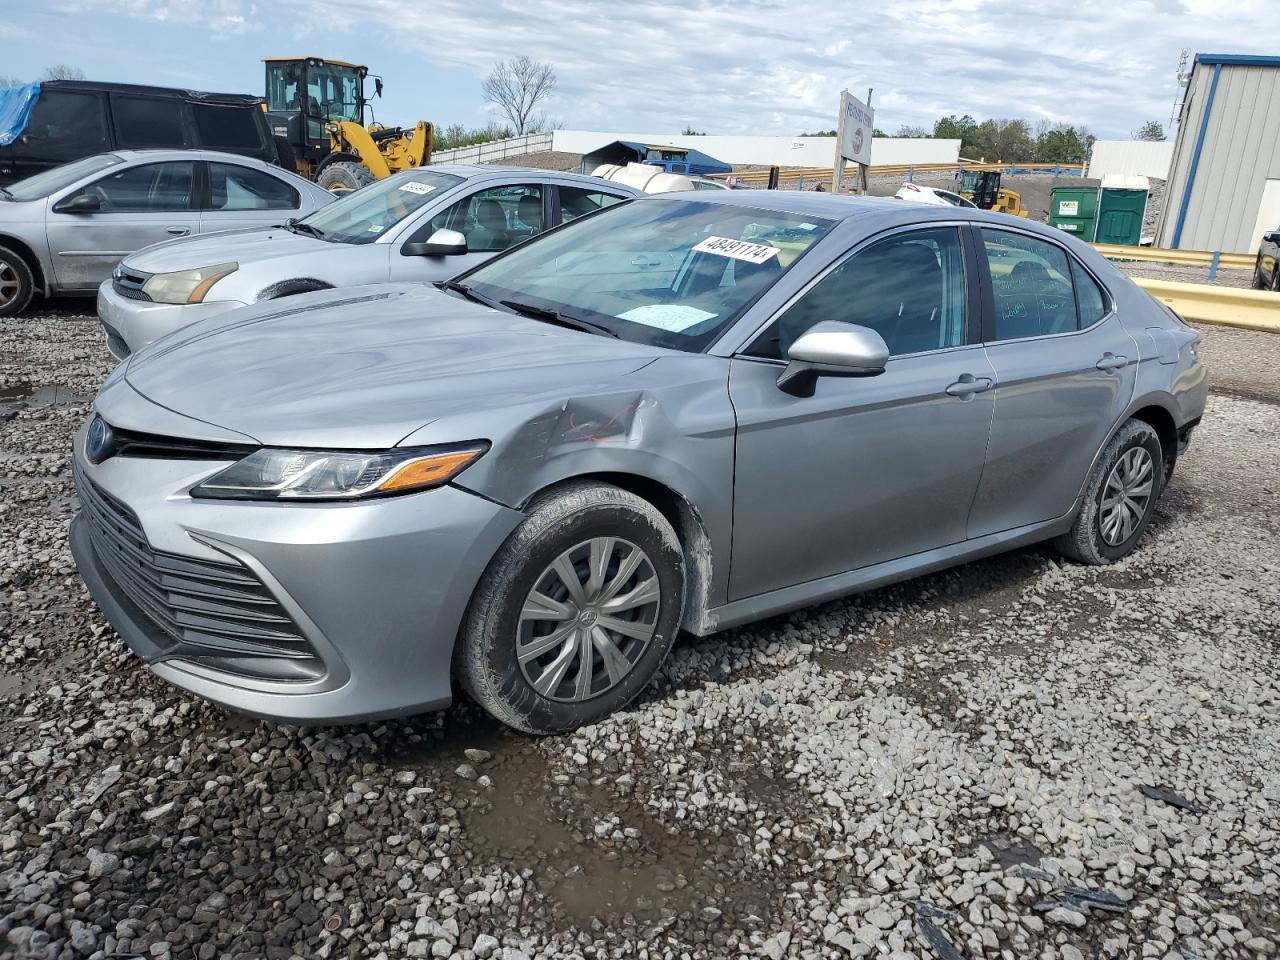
pixel 129 325
pixel 377 589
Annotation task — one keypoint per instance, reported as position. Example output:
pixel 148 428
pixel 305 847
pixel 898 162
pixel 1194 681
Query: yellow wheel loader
pixel 983 188
pixel 316 110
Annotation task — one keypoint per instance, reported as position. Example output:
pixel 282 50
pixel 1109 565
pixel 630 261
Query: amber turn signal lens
pixel 429 471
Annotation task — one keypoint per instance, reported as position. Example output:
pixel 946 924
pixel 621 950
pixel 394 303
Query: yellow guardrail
pixel 789 174
pixel 1238 261
pixel 1223 306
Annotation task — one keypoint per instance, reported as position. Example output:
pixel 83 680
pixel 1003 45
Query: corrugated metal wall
pixel 1240 151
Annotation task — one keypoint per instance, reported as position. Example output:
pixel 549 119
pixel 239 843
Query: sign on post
pixel 853 138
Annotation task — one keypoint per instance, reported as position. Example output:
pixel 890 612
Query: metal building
pixel 1224 183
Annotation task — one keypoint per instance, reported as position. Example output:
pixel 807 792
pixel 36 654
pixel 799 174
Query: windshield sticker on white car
pixel 675 317
pixel 375 228
pixel 413 186
pixel 737 249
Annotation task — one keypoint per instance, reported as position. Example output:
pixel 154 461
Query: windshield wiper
pixel 295 226
pixel 556 317
pixel 463 289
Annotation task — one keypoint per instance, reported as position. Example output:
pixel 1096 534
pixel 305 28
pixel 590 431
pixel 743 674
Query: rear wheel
pixel 576 612
pixel 1119 498
pixel 344 176
pixel 16 283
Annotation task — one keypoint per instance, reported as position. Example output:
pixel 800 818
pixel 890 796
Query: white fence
pixel 1135 158
pixel 784 151
pixel 495 150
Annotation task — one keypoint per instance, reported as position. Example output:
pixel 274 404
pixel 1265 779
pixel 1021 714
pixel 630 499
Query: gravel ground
pixel 1016 758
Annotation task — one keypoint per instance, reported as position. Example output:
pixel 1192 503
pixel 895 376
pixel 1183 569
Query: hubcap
pixel 590 616
pixel 1126 496
pixel 9 284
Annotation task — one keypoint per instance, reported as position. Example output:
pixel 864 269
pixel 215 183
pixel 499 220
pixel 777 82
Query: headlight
pixel 272 474
pixel 186 286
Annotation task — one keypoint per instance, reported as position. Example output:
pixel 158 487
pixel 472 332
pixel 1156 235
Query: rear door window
pixel 578 202
pixel 1031 286
pixel 233 187
pixel 226 128
pixel 150 188
pixel 148 121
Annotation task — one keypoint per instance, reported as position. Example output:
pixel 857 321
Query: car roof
pixel 179 153
pixel 475 170
pixel 871 211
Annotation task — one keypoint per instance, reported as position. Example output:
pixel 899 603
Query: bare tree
pixel 516 87
pixel 62 71
pixel 9 81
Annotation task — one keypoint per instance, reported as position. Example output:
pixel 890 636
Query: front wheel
pixel 576 612
pixel 16 283
pixel 1119 498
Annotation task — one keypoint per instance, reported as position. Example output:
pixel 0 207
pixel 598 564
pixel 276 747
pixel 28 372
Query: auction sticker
pixel 737 249
pixel 414 187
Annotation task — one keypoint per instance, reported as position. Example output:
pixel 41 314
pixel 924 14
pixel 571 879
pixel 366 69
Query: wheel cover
pixel 590 615
pixel 10 285
pixel 1126 495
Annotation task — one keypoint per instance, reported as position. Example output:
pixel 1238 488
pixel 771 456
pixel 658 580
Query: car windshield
pixel 675 273
pixel 51 181
pixel 365 214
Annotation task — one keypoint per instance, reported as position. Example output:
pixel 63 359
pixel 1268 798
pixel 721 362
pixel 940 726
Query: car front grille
pixel 218 614
pixel 128 284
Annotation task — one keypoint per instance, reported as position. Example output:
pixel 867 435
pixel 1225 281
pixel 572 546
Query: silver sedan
pixel 425 224
pixel 62 231
pixel 684 412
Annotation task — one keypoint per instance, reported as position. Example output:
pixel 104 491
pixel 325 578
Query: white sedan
pixel 940 198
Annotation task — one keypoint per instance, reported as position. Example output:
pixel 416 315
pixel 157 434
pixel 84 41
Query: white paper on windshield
pixel 737 249
pixel 413 186
pixel 675 317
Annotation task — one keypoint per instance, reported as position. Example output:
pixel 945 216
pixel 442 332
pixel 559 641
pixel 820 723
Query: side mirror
pixel 80 203
pixel 1272 236
pixel 377 86
pixel 832 348
pixel 442 243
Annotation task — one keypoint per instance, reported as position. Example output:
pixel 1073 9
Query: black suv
pixel 75 118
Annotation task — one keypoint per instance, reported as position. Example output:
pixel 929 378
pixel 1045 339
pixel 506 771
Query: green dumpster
pixel 1074 210
pixel 1120 216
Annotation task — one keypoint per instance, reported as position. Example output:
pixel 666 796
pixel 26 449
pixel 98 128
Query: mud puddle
pixel 1012 851
pixel 600 857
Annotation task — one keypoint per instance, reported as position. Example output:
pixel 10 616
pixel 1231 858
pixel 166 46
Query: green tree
pixel 1006 141
pixel 957 128
pixel 912 132
pixel 820 133
pixel 1152 130
pixel 1062 143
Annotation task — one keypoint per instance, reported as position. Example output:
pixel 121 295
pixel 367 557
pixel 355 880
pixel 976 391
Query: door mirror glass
pixel 442 243
pixel 1272 236
pixel 833 348
pixel 80 203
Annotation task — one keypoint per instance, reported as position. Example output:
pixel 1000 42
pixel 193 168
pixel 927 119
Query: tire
pixel 1275 279
pixel 569 527
pixel 1098 536
pixel 17 286
pixel 1259 281
pixel 344 176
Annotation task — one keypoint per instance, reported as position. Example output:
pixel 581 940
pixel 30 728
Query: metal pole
pixel 1213 265
pixel 837 166
pixel 862 167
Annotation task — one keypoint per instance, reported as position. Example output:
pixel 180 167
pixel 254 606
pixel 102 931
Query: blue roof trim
pixel 1237 60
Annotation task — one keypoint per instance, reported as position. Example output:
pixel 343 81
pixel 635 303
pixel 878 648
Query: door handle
pixel 1111 362
pixel 968 385
pixel 177 231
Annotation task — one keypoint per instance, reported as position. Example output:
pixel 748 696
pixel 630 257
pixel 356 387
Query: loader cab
pixel 304 94
pixel 980 186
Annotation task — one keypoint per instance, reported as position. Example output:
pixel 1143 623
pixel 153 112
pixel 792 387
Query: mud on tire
pixel 1085 542
pixel 567 532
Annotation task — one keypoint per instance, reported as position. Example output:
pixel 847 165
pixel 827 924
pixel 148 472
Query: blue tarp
pixel 15 110
pixel 620 151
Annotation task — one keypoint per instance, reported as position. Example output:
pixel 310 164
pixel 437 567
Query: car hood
pixel 241 246
pixel 365 369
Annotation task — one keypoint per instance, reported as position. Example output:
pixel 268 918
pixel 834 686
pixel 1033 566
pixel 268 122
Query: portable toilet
pixel 1122 207
pixel 1074 210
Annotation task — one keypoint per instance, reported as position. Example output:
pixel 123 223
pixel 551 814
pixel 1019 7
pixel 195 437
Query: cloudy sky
pixel 751 66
